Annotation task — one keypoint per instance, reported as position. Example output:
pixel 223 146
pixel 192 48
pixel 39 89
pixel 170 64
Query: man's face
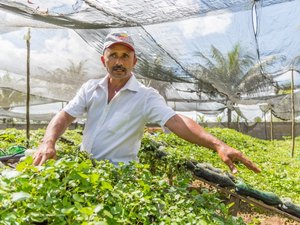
pixel 119 61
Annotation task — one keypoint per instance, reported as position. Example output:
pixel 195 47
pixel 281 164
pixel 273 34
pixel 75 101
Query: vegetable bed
pixel 77 190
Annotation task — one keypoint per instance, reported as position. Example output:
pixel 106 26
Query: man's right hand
pixel 44 152
pixel 55 129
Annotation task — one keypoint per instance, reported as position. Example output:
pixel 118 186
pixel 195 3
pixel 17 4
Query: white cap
pixel 118 38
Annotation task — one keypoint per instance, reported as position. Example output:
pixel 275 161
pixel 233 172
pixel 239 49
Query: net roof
pixel 206 56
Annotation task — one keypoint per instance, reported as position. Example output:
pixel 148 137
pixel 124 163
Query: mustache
pixel 119 67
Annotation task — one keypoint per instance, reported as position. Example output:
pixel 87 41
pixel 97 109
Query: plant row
pixel 78 190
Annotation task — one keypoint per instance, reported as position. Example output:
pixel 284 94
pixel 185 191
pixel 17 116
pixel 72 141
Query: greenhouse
pixel 232 66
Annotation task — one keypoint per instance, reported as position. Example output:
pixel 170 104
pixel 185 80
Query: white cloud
pixel 50 49
pixel 12 58
pixel 206 25
pixel 65 47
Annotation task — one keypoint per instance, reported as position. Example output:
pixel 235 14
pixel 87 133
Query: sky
pixel 50 49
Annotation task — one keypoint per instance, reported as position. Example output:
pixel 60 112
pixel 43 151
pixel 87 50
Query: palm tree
pixel 74 74
pixel 232 76
pixel 156 76
pixel 157 71
pixel 9 98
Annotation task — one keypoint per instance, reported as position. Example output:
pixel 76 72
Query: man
pixel 118 107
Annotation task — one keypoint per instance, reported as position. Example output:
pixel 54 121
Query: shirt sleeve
pixel 157 110
pixel 77 106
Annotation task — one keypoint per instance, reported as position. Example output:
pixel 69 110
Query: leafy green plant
pixel 73 190
pixel 78 190
pixel 279 171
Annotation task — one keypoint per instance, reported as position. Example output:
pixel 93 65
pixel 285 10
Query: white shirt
pixel 114 130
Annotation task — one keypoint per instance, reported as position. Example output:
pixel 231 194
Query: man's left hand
pixel 230 155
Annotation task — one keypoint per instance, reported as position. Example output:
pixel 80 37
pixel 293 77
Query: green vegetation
pixel 280 172
pixel 77 190
pixel 73 190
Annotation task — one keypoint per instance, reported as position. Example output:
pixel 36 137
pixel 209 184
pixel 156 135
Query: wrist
pixel 47 141
pixel 218 146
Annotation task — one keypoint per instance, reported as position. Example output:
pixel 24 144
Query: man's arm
pixel 189 130
pixel 55 129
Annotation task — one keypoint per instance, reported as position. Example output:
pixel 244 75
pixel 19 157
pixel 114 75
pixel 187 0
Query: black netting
pixel 205 56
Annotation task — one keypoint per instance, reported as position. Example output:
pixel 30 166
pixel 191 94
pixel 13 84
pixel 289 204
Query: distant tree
pixel 219 118
pixel 231 76
pixel 5 78
pixel 156 70
pixel 74 74
pixel 9 97
pixel 201 118
pixel 160 86
pixel 257 119
pixel 157 76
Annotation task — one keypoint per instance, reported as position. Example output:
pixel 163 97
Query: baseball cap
pixel 120 38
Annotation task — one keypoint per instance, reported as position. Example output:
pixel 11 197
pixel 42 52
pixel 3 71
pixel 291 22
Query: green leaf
pixel 100 223
pixel 78 198
pixel 37 217
pixel 67 210
pixel 94 178
pixel 108 214
pixel 106 186
pixel 9 174
pixel 25 164
pixel 83 175
pixel 98 208
pixel 19 196
pixel 87 211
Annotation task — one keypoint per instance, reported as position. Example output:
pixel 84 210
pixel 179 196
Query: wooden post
pixel 229 113
pixel 271 124
pixel 293 113
pixel 236 206
pixel 265 122
pixel 27 39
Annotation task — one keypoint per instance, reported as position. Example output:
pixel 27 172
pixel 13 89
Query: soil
pixel 250 213
pixel 255 215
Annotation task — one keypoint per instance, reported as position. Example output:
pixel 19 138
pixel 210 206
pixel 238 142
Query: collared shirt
pixel 114 130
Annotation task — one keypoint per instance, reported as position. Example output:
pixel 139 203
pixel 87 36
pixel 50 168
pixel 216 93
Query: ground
pixel 263 217
pixel 252 214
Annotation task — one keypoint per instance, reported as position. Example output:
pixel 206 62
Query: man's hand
pixel 189 130
pixel 55 129
pixel 230 155
pixel 44 152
